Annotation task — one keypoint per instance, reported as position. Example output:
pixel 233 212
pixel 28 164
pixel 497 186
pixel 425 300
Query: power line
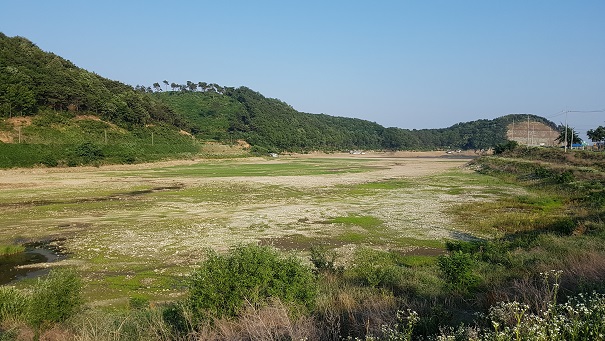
pixel 563 112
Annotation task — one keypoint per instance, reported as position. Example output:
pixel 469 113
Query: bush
pixel 174 316
pixel 49 161
pixel 505 147
pixel 565 177
pixel 249 274
pixel 85 153
pixel 55 298
pixel 376 268
pixel 323 259
pixel 457 268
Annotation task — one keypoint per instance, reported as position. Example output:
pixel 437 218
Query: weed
pixel 376 268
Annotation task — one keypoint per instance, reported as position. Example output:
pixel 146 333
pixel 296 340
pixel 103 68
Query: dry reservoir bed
pixel 142 228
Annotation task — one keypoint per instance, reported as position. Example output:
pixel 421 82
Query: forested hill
pixel 271 125
pixel 56 94
pixel 32 80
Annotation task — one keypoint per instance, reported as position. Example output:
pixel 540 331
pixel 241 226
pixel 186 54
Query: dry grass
pixel 343 309
pixel 267 323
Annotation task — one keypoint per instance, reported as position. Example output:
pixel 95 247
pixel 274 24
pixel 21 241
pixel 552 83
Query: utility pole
pixel 528 130
pixel 566 131
pixel 513 128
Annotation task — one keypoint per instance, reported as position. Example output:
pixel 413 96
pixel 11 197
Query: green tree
pixel 597 135
pixel 202 86
pixel 572 136
pixel 20 99
pixel 165 85
pixel 191 86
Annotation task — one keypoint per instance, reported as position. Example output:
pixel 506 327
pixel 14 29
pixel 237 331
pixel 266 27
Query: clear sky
pixel 409 64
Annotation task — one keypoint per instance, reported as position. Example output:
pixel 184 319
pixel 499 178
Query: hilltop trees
pixel 189 87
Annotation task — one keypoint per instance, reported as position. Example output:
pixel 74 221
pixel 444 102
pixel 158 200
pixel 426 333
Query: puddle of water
pixel 11 269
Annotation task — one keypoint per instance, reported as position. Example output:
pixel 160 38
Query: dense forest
pixel 39 84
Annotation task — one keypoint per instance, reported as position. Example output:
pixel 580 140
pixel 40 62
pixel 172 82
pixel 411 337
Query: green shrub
pixel 376 268
pixel 457 268
pixel 323 258
pixel 505 147
pixel 55 298
pixel 86 153
pixel 564 226
pixel 543 172
pixel 49 161
pixel 175 317
pixel 565 177
pixel 249 274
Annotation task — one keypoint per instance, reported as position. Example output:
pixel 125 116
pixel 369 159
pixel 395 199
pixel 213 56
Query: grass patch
pixel 238 168
pixel 370 188
pixel 510 214
pixel 417 261
pixel 6 250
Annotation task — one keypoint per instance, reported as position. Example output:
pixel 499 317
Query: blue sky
pixel 409 64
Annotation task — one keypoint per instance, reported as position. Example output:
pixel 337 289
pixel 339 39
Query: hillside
pixel 50 108
pixel 271 125
pixel 55 113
